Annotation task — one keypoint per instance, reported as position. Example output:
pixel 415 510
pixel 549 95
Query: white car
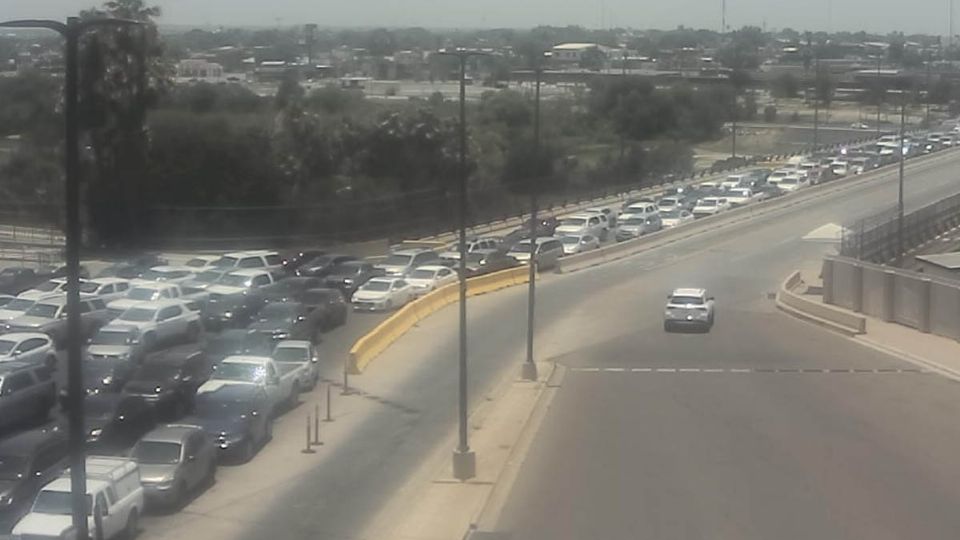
pixel 144 292
pixel 840 168
pixel 709 185
pixel 793 183
pixel 161 321
pixel 17 307
pixel 206 278
pixel 28 347
pixel 742 196
pixel 260 259
pixel 669 203
pixel 106 289
pixel 709 206
pixel 581 224
pixel 675 218
pixel 430 277
pixel 735 180
pixel 241 281
pixel 578 244
pixel 689 308
pixel 382 294
pixel 168 274
pixel 113 488
pixel 452 251
pixel 778 175
pixel 47 288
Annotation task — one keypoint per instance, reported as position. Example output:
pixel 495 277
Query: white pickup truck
pixel 113 491
pixel 281 381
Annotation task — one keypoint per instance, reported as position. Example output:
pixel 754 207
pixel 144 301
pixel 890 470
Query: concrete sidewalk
pixel 931 351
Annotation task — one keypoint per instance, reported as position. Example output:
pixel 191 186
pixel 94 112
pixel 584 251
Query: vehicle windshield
pixel 521 247
pixel 157 453
pixel 6 346
pixel 570 240
pixel 136 314
pixel 225 262
pixel 790 181
pixel 233 280
pixel 740 192
pixel 291 354
pixel 56 503
pixel 208 276
pixel 687 300
pixel 573 222
pixel 13 468
pixel 143 293
pixel 376 286
pixel 112 337
pixel 670 214
pixel 48 286
pixel 89 287
pixel 423 274
pixel 707 202
pixel 397 260
pixel 19 304
pixel 212 407
pixel 197 263
pixel 240 371
pixel 46 311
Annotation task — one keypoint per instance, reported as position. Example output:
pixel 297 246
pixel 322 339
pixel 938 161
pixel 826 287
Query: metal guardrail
pixel 876 238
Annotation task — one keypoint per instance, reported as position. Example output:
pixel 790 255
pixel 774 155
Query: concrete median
pixel 791 301
pixel 377 340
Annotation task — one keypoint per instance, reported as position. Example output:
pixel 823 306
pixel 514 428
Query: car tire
pixel 133 523
pixel 179 496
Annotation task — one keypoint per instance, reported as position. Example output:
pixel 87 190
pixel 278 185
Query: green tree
pixel 785 86
pixel 593 59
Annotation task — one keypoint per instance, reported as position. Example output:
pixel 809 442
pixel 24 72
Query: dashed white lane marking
pixel 762 371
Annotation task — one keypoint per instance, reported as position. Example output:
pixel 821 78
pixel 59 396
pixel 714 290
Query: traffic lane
pixel 756 455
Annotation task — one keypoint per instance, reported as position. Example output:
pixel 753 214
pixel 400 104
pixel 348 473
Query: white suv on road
pixel 260 259
pixel 583 223
pixel 161 321
pixel 689 308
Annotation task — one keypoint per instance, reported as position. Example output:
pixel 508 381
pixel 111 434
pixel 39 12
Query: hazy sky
pixel 920 16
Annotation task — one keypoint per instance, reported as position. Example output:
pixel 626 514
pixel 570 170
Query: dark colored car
pixel 486 262
pixel 349 276
pixel 331 304
pixel 133 267
pixel 237 417
pixel 232 310
pixel 237 341
pixel 114 422
pixel 27 462
pixel 321 266
pixel 169 379
pixel 546 227
pixel 101 375
pixel 771 190
pixel 293 260
pixel 290 288
pixel 16 280
pixel 288 320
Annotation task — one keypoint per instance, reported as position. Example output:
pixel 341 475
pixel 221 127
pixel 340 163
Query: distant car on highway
pixel 174 461
pixel 635 226
pixel 242 281
pixel 582 224
pixel 430 277
pixel 330 305
pixel 547 251
pixel 254 259
pixel 116 340
pixel 546 226
pixel 294 260
pixel 579 244
pixel 675 218
pixel 347 277
pixel 50 317
pixel 231 311
pixel 114 422
pixel 17 307
pixel 206 277
pixel 742 196
pixel 133 267
pixel 47 288
pixel 793 183
pixel 321 265
pixel 200 263
pixel 287 320
pixel 28 461
pixel 290 288
pixel 106 289
pixel 168 380
pixel 475 244
pixel 304 355
pixel 163 321
pixel 235 342
pixel 689 307
pixel 144 292
pixel 709 206
pixel 238 418
pixel 400 263
pixel 28 347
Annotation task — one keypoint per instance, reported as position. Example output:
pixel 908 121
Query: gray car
pixel 174 461
pixel 26 393
pixel 50 317
pixel 116 341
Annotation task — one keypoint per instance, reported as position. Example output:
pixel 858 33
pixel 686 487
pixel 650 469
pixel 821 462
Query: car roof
pixel 433 267
pixel 107 280
pixel 20 336
pixel 580 215
pixel 689 292
pixel 159 304
pixel 246 359
pixel 57 299
pixel 250 253
pixel 170 433
pixel 384 279
pixel 27 442
pixel 157 285
pixel 293 344
pixel 172 268
pixel 409 251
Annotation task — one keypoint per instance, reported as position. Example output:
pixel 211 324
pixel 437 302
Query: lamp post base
pixel 464 464
pixel 529 371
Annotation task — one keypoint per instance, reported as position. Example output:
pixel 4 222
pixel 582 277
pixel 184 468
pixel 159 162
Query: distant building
pixel 197 68
pixel 944 265
pixel 273 70
pixel 572 52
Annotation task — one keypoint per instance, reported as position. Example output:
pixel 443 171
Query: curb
pixel 947 372
pixel 829 325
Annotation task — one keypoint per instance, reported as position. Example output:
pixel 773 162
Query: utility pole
pixel 816 101
pixel 926 114
pixel 879 93
pixel 903 109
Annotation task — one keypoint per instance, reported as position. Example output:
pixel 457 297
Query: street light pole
pixel 529 371
pixel 879 94
pixel 464 459
pixel 926 114
pixel 71 32
pixel 816 102
pixel 903 109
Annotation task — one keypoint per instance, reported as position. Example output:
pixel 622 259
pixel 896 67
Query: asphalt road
pixel 767 427
pixel 610 316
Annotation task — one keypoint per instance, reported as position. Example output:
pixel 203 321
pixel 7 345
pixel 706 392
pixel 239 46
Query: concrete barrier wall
pixel 788 299
pixel 944 310
pixel 377 340
pixel 873 291
pixel 929 304
pixel 906 301
pixel 844 282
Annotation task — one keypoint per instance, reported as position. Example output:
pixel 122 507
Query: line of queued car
pixel 180 374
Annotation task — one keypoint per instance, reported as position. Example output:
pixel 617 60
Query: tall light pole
pixel 529 371
pixel 879 93
pixel 71 32
pixel 816 101
pixel 464 459
pixel 903 112
pixel 926 99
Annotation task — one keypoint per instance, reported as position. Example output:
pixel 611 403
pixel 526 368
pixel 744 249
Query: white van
pixel 114 502
pixel 548 250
